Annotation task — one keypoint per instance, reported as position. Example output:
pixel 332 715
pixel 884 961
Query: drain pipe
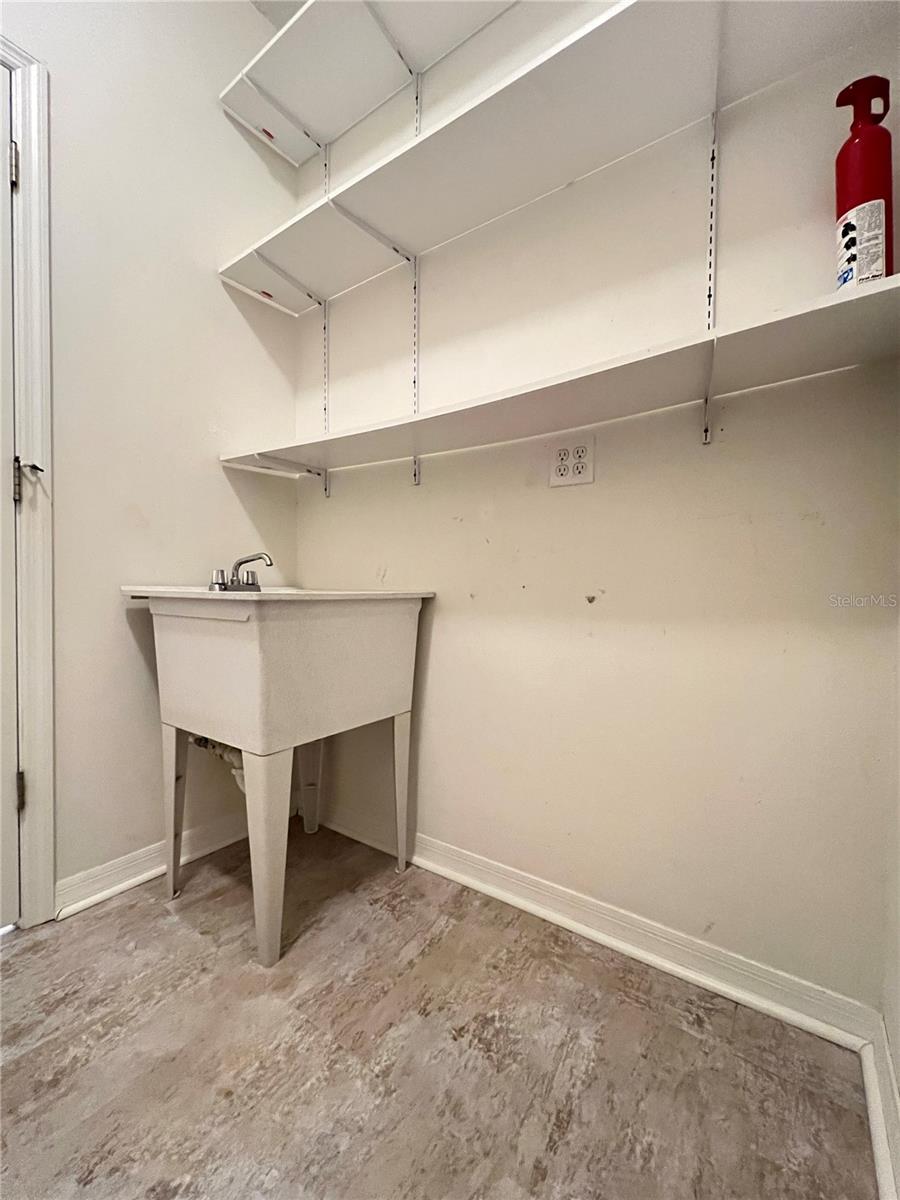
pixel 228 754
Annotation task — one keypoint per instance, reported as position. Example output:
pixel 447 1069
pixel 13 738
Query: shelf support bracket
pixel 326 354
pixel 387 35
pixel 712 232
pixel 416 471
pixel 707 431
pixel 415 336
pixel 287 277
pixel 713 224
pixel 290 117
pixel 371 231
pixel 287 467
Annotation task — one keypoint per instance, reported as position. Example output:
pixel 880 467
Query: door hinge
pixel 20 790
pixel 13 164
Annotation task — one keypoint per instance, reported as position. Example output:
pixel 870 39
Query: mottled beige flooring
pixel 417 1040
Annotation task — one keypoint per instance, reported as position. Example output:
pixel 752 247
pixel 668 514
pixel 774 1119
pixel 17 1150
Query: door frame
pixel 33 383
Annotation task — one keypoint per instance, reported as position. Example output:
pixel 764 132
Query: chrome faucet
pixel 240 580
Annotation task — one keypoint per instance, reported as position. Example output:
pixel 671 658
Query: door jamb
pixel 33 380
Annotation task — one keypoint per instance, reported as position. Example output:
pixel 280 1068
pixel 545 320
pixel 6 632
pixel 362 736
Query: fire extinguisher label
pixel 860 244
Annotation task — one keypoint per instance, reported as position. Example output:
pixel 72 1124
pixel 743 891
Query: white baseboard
pixel 786 997
pixel 815 1009
pixel 87 888
pixel 883 1102
pixel 806 1005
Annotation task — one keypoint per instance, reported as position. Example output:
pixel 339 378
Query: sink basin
pixel 274 669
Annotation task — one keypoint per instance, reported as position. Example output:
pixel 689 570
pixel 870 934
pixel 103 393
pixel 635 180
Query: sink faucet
pixel 236 579
pixel 240 580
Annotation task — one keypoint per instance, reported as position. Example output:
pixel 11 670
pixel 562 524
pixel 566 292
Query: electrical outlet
pixel 572 461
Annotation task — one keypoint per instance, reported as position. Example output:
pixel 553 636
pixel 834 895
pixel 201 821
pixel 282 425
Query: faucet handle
pixel 218 582
pixel 249 578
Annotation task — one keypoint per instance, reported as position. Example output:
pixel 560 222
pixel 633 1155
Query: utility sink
pixel 268 671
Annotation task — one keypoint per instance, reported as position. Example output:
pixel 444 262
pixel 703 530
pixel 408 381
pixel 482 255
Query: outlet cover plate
pixel 572 460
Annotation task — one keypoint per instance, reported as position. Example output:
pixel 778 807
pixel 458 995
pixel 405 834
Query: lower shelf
pixel 834 333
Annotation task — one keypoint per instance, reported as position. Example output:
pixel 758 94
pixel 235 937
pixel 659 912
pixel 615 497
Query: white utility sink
pixel 268 671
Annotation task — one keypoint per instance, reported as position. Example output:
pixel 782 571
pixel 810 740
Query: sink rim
pixel 154 591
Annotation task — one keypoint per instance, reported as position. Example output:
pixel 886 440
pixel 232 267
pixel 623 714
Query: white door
pixel 9 749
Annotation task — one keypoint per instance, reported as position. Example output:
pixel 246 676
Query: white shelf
pixel 547 125
pixel 639 71
pixel 836 331
pixel 669 375
pixel 309 259
pixel 256 113
pixel 335 61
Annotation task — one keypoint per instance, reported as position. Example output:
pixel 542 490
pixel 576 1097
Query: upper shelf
pixel 837 331
pixel 337 60
pixel 537 130
pixel 580 105
pixel 577 108
pixel 329 247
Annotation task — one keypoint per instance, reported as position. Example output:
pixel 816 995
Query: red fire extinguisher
pixel 865 208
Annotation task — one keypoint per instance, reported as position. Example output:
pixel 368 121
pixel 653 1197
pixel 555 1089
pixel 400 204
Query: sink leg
pixel 267 779
pixel 174 749
pixel 311 792
pixel 401 782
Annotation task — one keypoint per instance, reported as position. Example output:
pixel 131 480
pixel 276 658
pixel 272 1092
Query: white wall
pixel 709 743
pixel 155 366
pixel 891 984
